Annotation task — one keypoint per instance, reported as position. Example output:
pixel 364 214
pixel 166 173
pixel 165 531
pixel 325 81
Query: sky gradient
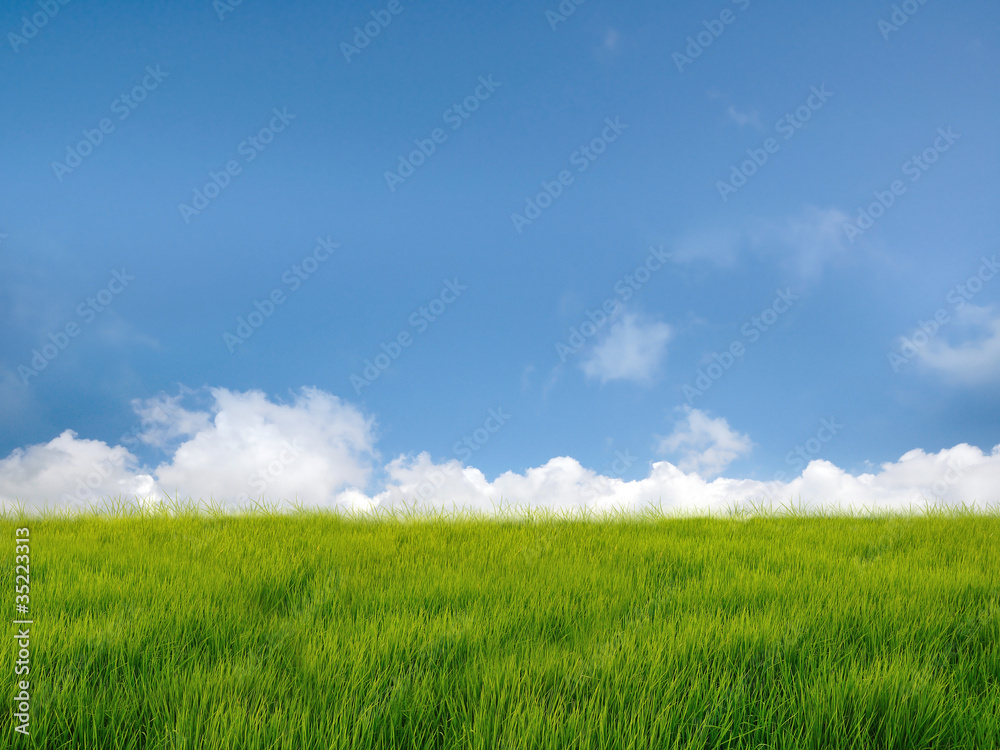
pixel 560 252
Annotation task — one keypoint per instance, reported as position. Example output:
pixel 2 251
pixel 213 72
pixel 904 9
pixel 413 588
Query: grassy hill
pixel 309 630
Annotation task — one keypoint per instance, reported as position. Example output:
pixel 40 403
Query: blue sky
pixel 731 151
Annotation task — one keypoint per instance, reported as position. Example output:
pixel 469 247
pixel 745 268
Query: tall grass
pixel 176 628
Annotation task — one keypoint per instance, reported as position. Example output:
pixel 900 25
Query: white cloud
pixel 320 449
pixel 803 243
pixel 632 349
pixel 244 448
pixel 974 361
pixel 806 242
pixel 963 474
pixel 164 420
pixel 67 472
pixel 251 446
pixel 706 445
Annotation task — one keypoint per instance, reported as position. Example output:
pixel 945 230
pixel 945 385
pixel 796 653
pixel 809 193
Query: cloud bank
pixel 319 451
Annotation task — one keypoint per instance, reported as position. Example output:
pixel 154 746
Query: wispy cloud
pixel 720 247
pixel 526 374
pixel 804 244
pixel 15 397
pixel 632 349
pixel 974 361
pixel 744 118
pixel 611 39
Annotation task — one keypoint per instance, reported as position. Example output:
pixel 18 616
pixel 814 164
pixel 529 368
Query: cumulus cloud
pixel 67 473
pixel 243 448
pixel 952 477
pixel 252 447
pixel 706 445
pixel 974 361
pixel 319 451
pixel 632 349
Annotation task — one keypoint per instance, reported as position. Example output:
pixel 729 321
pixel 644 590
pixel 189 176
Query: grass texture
pixel 181 629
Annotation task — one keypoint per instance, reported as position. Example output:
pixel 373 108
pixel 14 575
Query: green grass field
pixel 788 630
